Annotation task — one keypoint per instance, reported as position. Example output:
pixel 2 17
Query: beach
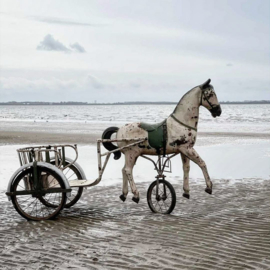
pixel 229 229
pixel 189 78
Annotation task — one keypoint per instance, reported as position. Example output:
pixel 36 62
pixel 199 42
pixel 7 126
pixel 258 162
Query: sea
pixel 244 118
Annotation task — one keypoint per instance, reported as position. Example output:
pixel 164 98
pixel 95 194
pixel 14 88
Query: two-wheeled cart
pixel 48 181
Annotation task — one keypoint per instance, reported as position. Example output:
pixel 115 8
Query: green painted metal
pixel 48 154
pixel 30 157
pixel 35 176
pixel 63 156
pixel 156 136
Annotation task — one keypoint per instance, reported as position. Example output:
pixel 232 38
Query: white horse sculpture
pixel 181 129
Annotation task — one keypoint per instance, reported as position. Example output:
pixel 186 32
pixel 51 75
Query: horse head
pixel 209 99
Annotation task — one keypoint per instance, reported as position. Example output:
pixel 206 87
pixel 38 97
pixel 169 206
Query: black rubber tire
pixel 107 133
pixel 168 202
pixel 76 192
pixel 42 212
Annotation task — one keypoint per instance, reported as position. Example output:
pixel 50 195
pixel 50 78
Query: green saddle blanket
pixel 157 135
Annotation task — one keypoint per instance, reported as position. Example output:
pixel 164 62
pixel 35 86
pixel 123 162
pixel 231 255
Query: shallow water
pixel 237 159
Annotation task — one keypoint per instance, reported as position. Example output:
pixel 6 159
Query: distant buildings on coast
pixel 123 103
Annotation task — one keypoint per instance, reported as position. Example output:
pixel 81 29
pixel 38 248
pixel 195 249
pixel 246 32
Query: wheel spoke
pixel 67 171
pixel 26 199
pixel 23 188
pixel 33 207
pixel 71 175
pixel 51 182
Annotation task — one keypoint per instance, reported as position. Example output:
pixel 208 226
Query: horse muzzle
pixel 216 111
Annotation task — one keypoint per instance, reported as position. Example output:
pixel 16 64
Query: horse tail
pixel 108 145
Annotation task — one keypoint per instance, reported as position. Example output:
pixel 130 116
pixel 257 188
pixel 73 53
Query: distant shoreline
pixel 30 103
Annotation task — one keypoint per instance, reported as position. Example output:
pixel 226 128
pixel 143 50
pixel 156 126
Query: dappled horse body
pixel 176 134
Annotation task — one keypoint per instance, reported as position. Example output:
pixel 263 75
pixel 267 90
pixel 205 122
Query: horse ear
pixel 204 85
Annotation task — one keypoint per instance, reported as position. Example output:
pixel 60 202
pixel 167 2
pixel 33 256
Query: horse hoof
pixel 122 197
pixel 208 190
pixel 136 200
pixel 186 195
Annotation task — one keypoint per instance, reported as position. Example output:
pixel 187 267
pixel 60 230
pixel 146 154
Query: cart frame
pixel 38 158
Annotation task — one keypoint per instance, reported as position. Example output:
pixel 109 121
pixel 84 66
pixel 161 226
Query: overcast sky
pixel 125 50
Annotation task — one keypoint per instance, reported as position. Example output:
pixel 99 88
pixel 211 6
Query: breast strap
pixel 172 115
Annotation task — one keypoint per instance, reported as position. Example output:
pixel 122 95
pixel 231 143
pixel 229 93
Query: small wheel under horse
pixel 161 197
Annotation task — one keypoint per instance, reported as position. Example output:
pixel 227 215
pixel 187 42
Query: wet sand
pixel 41 138
pixel 44 137
pixel 227 230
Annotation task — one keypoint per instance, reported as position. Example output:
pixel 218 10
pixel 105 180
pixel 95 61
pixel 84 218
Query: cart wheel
pixel 30 206
pixel 162 201
pixel 71 173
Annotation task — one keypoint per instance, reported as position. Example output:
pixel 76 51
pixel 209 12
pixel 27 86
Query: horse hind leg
pixel 131 158
pixel 123 196
pixel 186 168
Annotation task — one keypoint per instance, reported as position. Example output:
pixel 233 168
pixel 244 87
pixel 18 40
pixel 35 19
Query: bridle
pixel 205 98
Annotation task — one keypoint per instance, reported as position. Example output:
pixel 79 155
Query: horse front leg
pixel 123 196
pixel 194 156
pixel 186 168
pixel 131 158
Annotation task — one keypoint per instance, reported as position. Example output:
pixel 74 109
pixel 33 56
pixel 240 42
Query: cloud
pixel 49 43
pixel 135 85
pixel 23 85
pixel 229 65
pixel 77 47
pixel 94 82
pixel 89 88
pixel 53 20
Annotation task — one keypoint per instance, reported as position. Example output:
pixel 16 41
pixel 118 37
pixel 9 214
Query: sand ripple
pixel 228 230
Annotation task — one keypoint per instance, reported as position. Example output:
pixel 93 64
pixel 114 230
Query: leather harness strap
pixel 182 123
pixel 205 98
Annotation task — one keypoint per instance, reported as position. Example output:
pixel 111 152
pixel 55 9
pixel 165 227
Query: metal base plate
pixel 81 183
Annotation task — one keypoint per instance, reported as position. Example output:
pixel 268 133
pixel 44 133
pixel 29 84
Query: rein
pixel 177 120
